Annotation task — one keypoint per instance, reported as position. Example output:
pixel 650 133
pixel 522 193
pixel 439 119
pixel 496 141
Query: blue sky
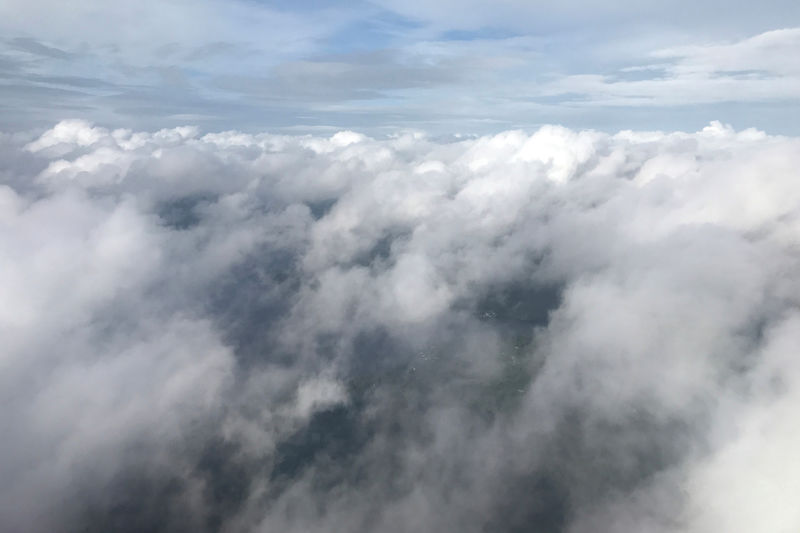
pixel 385 65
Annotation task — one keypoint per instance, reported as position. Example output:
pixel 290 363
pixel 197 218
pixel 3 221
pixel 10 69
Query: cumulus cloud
pixel 558 331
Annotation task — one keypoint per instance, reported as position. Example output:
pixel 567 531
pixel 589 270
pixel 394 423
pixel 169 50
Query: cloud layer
pixel 558 331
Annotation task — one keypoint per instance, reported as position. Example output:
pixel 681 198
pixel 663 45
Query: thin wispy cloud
pixel 374 66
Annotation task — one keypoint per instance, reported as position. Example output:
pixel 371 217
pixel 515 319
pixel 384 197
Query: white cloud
pixel 769 53
pixel 318 394
pixel 152 32
pixel 746 484
pixel 761 68
pixel 564 327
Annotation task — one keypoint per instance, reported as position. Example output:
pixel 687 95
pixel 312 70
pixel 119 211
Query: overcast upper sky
pixel 379 66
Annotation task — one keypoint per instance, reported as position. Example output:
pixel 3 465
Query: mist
pixel 556 330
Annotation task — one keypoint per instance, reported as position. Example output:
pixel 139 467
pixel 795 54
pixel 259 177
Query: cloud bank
pixel 559 331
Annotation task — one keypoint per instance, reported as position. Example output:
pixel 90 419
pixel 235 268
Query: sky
pixel 399 267
pixel 383 66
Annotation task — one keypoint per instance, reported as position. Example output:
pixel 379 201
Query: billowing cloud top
pixel 559 331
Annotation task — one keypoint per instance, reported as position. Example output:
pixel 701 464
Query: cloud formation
pixel 760 68
pixel 558 331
